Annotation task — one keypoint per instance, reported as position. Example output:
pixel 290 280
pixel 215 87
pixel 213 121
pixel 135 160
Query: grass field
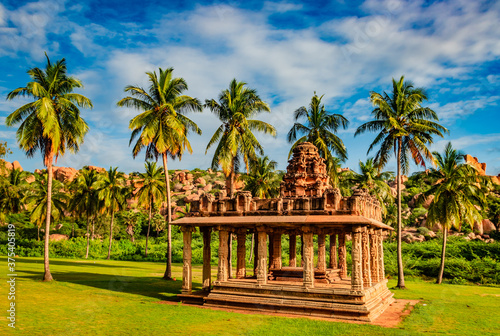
pixel 121 298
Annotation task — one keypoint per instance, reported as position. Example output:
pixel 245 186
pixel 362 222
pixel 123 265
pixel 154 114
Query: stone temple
pixel 308 206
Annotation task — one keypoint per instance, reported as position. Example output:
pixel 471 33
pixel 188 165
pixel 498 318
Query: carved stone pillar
pixel 277 263
pixel 333 251
pixel 207 257
pixel 374 256
pixel 230 255
pixel 241 254
pixel 365 258
pixel 222 270
pixel 381 269
pixel 187 272
pixel 357 268
pixel 255 254
pixel 302 250
pixel 321 253
pixel 271 249
pixel 342 256
pixel 292 242
pixel 262 256
pixel 308 258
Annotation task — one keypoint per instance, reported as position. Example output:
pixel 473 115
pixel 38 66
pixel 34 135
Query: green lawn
pixel 120 298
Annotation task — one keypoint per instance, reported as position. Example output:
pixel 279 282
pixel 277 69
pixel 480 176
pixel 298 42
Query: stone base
pixel 324 301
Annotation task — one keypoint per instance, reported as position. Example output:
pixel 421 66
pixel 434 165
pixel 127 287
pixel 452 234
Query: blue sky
pixel 285 50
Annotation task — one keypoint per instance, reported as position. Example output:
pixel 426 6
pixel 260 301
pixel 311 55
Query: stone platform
pixel 325 300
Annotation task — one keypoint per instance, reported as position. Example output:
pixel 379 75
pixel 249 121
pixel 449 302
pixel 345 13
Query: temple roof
pixel 306 198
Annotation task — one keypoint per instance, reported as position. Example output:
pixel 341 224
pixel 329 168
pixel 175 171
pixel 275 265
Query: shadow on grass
pixel 75 263
pixel 154 287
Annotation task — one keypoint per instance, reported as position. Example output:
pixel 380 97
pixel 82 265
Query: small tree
pixel 151 192
pixel 457 191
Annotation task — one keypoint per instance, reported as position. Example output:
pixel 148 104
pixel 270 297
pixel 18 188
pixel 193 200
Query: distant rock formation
pixel 481 168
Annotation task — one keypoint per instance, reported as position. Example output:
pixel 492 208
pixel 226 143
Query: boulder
pixel 220 184
pixel 57 237
pixel 207 188
pixel 437 227
pixel 97 169
pixel 418 238
pixel 59 226
pixel 478 228
pixel 64 174
pixel 187 187
pixel 191 198
pixel 17 165
pixel 218 174
pixel 408 238
pixel 209 170
pixel 239 184
pixel 431 234
pixel 178 187
pixel 200 180
pixel 38 171
pixel 189 176
pixel 181 177
pixel 471 236
pixel 30 179
pixel 488 226
pixel 427 201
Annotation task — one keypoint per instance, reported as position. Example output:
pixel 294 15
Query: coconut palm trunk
pixel 443 253
pixel 149 224
pixel 47 276
pixel 88 235
pixel 401 275
pixel 111 233
pixel 231 180
pixel 168 270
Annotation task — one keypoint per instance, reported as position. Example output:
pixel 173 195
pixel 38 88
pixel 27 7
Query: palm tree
pixel 162 127
pixel 12 190
pixel 457 191
pixel 129 219
pixel 320 129
pixel 111 190
pixel 406 128
pixel 85 199
pixel 37 201
pixel 235 138
pixel 374 181
pixel 263 181
pixel 51 123
pixel 151 192
pixel 158 223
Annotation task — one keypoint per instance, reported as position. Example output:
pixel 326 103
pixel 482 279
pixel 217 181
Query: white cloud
pixel 10 135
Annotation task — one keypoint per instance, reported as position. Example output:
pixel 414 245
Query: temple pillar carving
pixel 292 243
pixel 222 271
pixel 357 268
pixel 374 256
pixel 365 256
pixel 241 254
pixel 308 277
pixel 333 263
pixel 207 257
pixel 381 270
pixel 187 272
pixel 262 256
pixel 271 249
pixel 276 262
pixel 342 256
pixel 255 253
pixel 321 252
